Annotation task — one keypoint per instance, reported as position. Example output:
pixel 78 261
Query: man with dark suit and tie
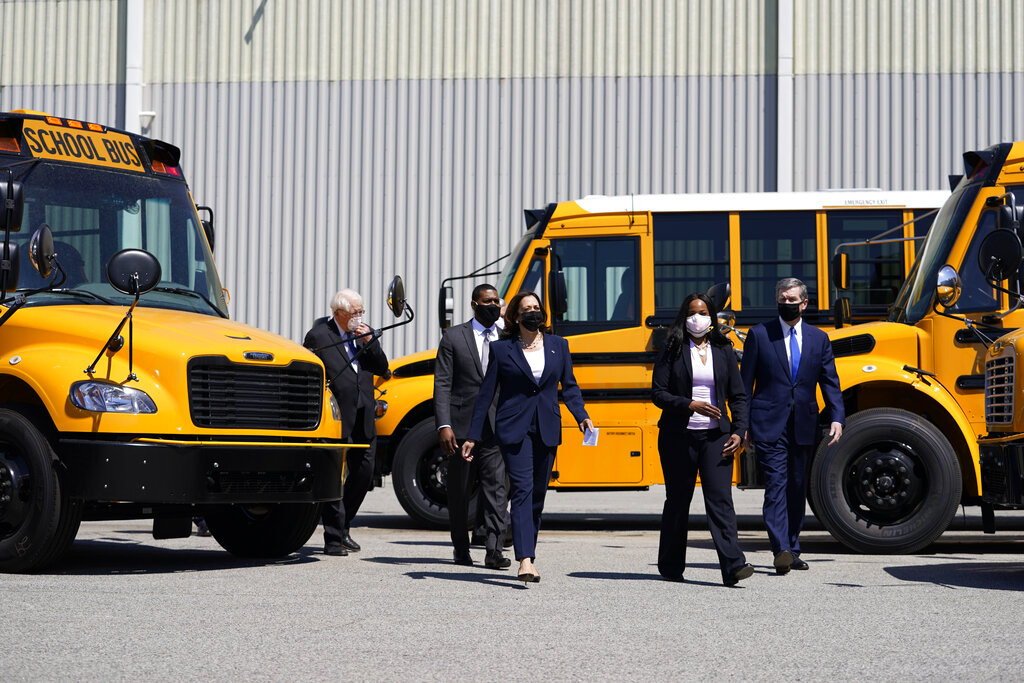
pixel 461 362
pixel 783 361
pixel 351 355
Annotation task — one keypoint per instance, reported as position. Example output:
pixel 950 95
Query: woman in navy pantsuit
pixel 694 378
pixel 526 366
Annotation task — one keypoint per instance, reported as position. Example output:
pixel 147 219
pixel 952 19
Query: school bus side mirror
pixel 133 271
pixel 719 294
pixel 556 290
pixel 1000 255
pixel 40 251
pixel 396 296
pixel 207 224
pixel 841 271
pixel 446 306
pixel 14 259
pixel 12 205
pixel 947 287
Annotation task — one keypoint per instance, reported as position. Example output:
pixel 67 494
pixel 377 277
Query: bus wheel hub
pixel 13 485
pixel 886 480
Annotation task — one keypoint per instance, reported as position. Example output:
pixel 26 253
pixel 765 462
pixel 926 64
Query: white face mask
pixel 698 324
pixel 355 322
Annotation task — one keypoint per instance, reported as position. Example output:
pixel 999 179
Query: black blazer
pixel 672 385
pixel 352 391
pixel 457 378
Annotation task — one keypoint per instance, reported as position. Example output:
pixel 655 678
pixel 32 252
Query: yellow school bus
pixel 613 271
pixel 125 390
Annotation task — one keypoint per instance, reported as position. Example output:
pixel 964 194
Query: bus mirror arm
pixel 972 325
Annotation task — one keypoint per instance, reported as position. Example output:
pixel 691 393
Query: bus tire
pixel 30 497
pixel 264 530
pixel 420 474
pixel 891 484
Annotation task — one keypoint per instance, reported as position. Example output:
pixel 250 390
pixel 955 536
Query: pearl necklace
pixel 702 350
pixel 535 344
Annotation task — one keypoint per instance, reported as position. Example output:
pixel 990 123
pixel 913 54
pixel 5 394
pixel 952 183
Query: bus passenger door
pixel 603 324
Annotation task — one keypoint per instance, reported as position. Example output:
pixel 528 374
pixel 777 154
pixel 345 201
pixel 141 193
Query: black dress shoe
pixel 744 572
pixel 346 540
pixel 783 561
pixel 677 578
pixel 799 564
pixel 495 560
pixel 463 557
pixel 336 550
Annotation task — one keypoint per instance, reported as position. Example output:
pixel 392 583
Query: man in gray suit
pixel 461 362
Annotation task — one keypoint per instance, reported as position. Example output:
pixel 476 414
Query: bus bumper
pixel 180 472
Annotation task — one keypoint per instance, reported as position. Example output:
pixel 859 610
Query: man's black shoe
pixel 495 560
pixel 744 572
pixel 349 544
pixel 463 557
pixel 336 550
pixel 799 564
pixel 783 561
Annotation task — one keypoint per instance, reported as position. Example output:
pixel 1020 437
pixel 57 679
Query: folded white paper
pixel 590 436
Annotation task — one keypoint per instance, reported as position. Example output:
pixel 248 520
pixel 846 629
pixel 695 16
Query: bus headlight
pixel 335 410
pixel 102 397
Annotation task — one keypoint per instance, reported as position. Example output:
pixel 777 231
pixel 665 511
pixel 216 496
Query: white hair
pixel 345 300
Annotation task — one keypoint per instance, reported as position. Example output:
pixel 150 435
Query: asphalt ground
pixel 124 606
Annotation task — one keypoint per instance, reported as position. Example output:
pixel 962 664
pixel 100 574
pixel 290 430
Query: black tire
pixel 31 535
pixel 263 530
pixel 420 474
pixel 890 485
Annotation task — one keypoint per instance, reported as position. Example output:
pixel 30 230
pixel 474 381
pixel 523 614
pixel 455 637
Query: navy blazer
pixel 521 397
pixel 672 385
pixel 774 394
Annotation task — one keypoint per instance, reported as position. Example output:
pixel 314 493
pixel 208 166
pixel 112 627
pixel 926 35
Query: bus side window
pixel 774 245
pixel 600 283
pixel 691 253
pixel 876 271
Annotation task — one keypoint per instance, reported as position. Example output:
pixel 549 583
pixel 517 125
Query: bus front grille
pixel 999 390
pixel 227 395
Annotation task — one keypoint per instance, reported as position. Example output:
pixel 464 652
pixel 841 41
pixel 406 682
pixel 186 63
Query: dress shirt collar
pixel 479 329
pixel 798 325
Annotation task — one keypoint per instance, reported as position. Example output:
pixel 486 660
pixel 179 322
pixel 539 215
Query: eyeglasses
pixel 359 312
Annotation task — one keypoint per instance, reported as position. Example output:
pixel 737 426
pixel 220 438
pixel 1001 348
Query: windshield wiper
pixel 193 293
pixel 83 293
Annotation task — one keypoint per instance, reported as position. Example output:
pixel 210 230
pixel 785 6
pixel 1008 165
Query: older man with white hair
pixel 351 355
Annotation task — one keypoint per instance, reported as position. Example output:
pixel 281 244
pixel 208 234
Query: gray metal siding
pixel 319 186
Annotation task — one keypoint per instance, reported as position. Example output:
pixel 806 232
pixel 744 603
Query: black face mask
pixel 789 312
pixel 532 320
pixel 487 314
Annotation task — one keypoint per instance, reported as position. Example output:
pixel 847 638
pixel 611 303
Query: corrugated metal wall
pixel 890 94
pixel 343 142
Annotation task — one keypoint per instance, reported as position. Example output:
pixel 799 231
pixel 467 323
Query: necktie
pixel 794 353
pixel 351 346
pixel 485 351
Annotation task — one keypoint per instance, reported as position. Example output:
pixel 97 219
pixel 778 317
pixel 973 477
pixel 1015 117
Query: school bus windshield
pixel 94 213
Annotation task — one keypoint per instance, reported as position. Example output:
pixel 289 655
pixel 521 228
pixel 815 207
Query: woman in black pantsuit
pixel 695 376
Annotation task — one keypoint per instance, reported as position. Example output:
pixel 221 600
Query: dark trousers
pixel 529 470
pixel 488 470
pixel 684 454
pixel 784 463
pixel 337 515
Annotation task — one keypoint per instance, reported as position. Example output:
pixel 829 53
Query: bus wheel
pixel 29 496
pixel 420 473
pixel 263 530
pixel 890 485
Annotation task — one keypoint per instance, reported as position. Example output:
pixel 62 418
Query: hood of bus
pixel 875 351
pixel 50 347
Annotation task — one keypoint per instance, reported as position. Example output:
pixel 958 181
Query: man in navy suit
pixel 783 361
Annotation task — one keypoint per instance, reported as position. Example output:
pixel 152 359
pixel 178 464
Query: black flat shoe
pixel 677 578
pixel 783 561
pixel 335 550
pixel 462 557
pixel 744 572
pixel 495 560
pixel 349 544
pixel 799 565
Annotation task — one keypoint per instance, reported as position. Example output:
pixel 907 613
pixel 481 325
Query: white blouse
pixel 536 360
pixel 703 387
